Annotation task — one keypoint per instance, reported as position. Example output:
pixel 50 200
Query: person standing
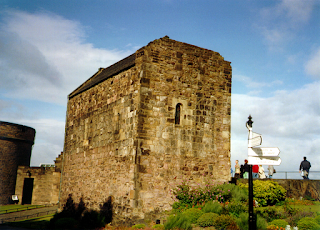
pixel 237 170
pixel 261 172
pixel 304 167
pixel 255 171
pixel 245 169
pixel 270 171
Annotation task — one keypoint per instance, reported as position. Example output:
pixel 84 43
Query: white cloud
pixel 312 67
pixel 48 141
pixel 279 24
pixel 44 56
pixel 288 120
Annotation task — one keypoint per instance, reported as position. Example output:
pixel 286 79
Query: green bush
pixel 261 223
pixel 66 223
pixel 92 219
pixel 178 221
pixel 236 207
pixel 191 197
pixel 308 223
pixel 294 219
pixel 267 192
pixel 139 226
pixel 317 219
pixel 270 213
pixel 225 222
pixel 242 221
pixel 280 223
pixel 214 207
pixel 193 214
pixel 207 219
pixel 158 226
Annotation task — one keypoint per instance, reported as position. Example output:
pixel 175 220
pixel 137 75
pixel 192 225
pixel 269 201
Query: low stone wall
pixel 297 188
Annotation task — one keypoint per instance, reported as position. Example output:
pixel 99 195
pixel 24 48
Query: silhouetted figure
pixel 305 167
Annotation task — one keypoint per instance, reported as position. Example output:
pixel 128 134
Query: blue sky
pixel 48 48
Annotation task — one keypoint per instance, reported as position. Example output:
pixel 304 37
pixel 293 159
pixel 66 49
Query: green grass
pixel 34 223
pixel 17 208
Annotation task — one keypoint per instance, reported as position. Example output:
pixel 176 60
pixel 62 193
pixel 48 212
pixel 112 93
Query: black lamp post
pixel 252 219
pixel 249 122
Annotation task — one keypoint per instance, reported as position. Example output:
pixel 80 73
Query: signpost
pixel 255 140
pixel 264 160
pixel 263 152
pixel 258 156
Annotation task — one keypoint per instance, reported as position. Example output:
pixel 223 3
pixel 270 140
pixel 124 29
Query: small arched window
pixel 178 114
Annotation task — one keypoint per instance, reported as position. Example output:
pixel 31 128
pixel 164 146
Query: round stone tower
pixel 16 143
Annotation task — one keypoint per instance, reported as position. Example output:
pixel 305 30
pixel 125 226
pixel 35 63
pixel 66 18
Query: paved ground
pixel 27 214
pixel 5 227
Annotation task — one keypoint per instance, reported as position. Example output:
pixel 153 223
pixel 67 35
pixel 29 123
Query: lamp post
pixel 252 219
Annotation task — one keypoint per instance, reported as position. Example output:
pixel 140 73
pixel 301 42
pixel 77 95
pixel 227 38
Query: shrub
pixel 225 222
pixel 193 214
pixel 242 221
pixel 196 196
pixel 308 223
pixel 317 219
pixel 294 219
pixel 179 221
pixel 267 192
pixel 270 213
pixel 158 226
pixel 261 223
pixel 279 223
pixel 66 223
pixel 236 207
pixel 92 219
pixel 207 219
pixel 214 207
pixel 138 226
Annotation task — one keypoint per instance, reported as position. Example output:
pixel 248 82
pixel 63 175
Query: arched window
pixel 178 114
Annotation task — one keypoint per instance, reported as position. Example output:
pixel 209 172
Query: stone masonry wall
pixel 123 138
pixel 99 152
pixel 197 149
pixel 15 149
pixel 46 184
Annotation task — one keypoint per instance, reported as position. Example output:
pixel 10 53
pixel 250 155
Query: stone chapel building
pixel 136 129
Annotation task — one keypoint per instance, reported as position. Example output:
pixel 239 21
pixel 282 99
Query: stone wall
pixel 46 184
pixel 15 149
pixel 135 132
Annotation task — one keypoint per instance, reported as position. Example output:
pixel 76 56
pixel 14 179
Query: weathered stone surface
pixel 46 183
pixel 136 134
pixel 15 149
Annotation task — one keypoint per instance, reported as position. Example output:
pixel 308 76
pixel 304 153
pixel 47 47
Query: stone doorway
pixel 27 190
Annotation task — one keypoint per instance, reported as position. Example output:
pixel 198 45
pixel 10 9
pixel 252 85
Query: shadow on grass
pixel 35 223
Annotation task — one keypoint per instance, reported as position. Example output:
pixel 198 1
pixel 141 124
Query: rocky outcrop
pixel 301 188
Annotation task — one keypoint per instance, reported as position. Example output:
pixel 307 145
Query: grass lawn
pixel 34 223
pixel 16 208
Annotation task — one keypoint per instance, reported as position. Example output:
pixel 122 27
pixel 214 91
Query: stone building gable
pixel 136 132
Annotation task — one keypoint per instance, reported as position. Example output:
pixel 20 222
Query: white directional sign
pixel 255 141
pixel 263 152
pixel 264 160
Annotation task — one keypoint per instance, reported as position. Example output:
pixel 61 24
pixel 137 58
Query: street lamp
pixel 249 122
